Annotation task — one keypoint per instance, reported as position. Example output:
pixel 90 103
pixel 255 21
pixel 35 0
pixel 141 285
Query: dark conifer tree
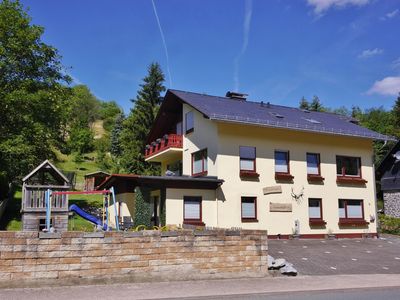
pixel 116 136
pixel 304 104
pixel 139 122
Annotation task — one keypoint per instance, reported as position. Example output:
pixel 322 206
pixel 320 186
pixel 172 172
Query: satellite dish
pixel 397 156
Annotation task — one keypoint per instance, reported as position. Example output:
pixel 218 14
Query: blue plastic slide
pixel 75 208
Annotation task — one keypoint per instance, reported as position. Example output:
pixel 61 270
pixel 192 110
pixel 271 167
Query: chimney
pixel 236 96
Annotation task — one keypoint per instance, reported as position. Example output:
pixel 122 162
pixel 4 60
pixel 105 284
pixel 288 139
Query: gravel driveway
pixel 343 256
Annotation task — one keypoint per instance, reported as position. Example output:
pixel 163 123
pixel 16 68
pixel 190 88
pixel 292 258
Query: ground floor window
pixel 351 209
pixel 249 209
pixel 314 208
pixel 315 212
pixel 192 212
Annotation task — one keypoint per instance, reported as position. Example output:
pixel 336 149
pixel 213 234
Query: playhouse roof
pixel 48 166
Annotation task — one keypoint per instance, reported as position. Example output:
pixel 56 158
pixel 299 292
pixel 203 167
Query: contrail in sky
pixel 164 42
pixel 246 29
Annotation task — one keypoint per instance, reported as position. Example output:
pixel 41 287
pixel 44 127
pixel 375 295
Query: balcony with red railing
pixel 164 148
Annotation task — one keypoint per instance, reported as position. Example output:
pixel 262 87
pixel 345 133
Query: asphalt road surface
pixel 342 256
pixel 365 287
pixel 357 294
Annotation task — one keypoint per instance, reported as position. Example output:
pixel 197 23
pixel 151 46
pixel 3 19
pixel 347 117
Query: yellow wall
pixel 222 141
pixel 298 143
pixel 205 135
pixel 174 205
pixel 127 208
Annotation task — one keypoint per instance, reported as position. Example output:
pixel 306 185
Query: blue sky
pixel 345 51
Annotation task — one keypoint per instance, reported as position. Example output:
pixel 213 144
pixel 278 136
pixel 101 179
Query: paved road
pixel 343 256
pixel 256 288
pixel 357 294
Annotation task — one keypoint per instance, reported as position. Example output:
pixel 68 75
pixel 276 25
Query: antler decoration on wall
pixel 298 197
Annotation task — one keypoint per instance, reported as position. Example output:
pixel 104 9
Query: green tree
pixel 316 104
pixel 32 97
pixel 116 149
pixel 84 107
pixel 109 112
pixel 81 140
pixel 304 104
pixel 140 120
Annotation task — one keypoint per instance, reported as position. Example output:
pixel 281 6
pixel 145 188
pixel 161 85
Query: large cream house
pixel 229 162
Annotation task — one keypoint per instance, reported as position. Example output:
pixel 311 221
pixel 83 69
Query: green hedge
pixel 142 207
pixel 389 224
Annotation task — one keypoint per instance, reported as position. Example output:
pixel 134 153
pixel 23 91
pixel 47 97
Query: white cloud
pixel 321 6
pixel 387 86
pixel 246 30
pixel 367 53
pixel 392 14
pixel 163 41
pixel 396 63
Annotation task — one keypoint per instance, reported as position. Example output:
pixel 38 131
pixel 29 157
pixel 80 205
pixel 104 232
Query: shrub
pixel 389 224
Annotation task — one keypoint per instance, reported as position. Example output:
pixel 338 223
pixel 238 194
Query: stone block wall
pixel 77 257
pixel 391 203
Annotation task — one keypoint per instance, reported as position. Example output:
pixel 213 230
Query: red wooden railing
pixel 161 144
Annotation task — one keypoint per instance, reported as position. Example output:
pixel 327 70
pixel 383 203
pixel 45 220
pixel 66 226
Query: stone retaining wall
pixel 391 203
pixel 77 257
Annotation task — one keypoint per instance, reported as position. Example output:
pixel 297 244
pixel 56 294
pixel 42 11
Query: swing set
pixel 104 223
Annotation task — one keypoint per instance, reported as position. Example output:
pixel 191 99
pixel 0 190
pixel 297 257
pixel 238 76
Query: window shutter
pixel 247 152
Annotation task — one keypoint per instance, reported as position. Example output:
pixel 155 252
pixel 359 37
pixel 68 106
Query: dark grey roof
pixel 270 115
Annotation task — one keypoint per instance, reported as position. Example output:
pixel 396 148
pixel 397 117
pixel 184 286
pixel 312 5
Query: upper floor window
pixel 249 209
pixel 189 122
pixel 313 164
pixel 281 162
pixel 247 158
pixel 199 163
pixel 348 166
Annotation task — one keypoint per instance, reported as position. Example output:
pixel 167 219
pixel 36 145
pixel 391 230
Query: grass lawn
pixel 87 203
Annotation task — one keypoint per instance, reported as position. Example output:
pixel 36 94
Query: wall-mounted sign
pixel 275 189
pixel 281 207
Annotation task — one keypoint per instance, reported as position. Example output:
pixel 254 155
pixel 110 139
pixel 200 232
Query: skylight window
pixel 276 115
pixel 312 121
